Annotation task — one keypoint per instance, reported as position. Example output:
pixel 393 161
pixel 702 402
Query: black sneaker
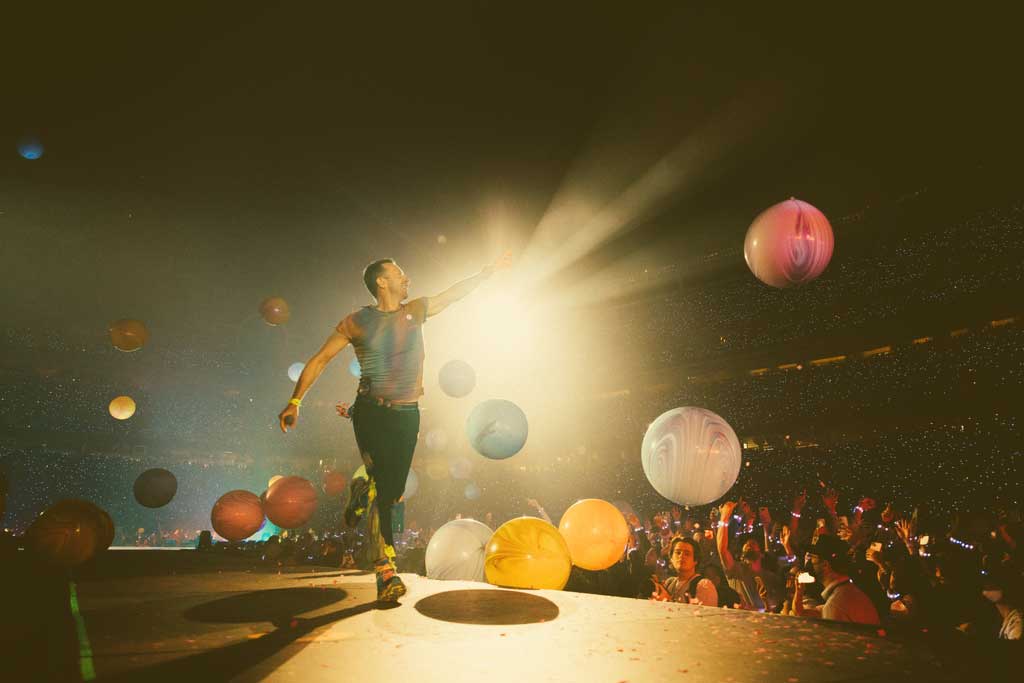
pixel 358 502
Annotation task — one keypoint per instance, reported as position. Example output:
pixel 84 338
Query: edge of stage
pixel 189 615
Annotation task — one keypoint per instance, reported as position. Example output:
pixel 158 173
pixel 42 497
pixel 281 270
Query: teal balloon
pixel 354 368
pixel 497 429
pixel 30 148
pixel 472 491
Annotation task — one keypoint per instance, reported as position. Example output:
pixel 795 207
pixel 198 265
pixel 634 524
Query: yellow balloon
pixel 122 407
pixel 273 480
pixel 595 532
pixel 527 553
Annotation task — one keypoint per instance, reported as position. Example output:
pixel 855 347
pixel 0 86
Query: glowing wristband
pixel 297 402
pixel 795 514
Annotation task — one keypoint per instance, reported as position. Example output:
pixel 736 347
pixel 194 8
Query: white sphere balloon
pixel 412 484
pixel 457 378
pixel 691 456
pixel 294 370
pixel 457 550
pixel 460 468
pixel 497 429
pixel 437 439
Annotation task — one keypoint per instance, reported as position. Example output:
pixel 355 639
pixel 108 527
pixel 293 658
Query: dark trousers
pixel 387 440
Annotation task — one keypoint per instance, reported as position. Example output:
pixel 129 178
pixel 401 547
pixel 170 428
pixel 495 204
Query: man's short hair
pixel 374 271
pixel 689 541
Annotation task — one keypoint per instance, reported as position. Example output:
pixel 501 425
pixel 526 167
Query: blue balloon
pixel 472 491
pixel 30 148
pixel 497 429
pixel 354 368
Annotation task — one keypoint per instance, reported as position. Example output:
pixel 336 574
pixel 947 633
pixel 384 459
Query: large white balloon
pixel 691 456
pixel 497 429
pixel 295 371
pixel 457 550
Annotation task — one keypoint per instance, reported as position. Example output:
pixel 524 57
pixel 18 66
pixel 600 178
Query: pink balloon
pixel 789 244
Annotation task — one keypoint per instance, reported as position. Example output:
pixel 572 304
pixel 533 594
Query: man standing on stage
pixel 388 342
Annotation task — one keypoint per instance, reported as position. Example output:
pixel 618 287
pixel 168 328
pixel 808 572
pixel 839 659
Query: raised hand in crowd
pixel 905 530
pixel 786 537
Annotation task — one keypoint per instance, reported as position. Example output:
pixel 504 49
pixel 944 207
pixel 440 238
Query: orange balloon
pixel 237 515
pixel 69 533
pixel 122 407
pixel 596 533
pixel 128 335
pixel 334 483
pixel 275 311
pixel 290 502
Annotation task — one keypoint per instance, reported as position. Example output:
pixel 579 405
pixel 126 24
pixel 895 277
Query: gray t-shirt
pixel 389 348
pixel 743 580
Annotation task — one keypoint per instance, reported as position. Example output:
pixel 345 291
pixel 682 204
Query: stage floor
pixel 178 616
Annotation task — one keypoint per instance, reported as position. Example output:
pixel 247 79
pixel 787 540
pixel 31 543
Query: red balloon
pixel 275 311
pixel 128 335
pixel 334 483
pixel 237 515
pixel 789 244
pixel 290 502
pixel 70 532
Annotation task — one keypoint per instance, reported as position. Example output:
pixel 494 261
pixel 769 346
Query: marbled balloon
pixel 788 244
pixel 691 456
pixel 527 552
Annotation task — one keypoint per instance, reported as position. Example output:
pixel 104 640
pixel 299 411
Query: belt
pixel 387 403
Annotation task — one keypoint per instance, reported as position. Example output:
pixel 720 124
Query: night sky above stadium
pixel 199 158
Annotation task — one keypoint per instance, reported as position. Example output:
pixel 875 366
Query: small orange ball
pixel 275 311
pixel 128 335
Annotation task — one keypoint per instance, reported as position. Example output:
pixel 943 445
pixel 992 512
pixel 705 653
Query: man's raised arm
pixel 725 509
pixel 459 290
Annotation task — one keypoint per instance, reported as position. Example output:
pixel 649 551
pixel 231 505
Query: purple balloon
pixel 789 244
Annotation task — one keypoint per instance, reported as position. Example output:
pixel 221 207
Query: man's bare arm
pixel 723 535
pixel 331 348
pixel 459 290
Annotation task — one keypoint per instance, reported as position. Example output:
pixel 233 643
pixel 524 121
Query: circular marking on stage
pixel 494 607
pixel 269 605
